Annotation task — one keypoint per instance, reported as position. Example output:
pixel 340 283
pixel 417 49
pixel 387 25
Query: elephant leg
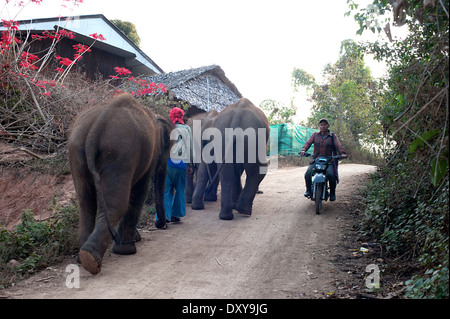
pixel 200 186
pixel 252 181
pixel 159 186
pixel 127 227
pixel 211 191
pixel 116 194
pixel 87 205
pixel 237 185
pixel 189 187
pixel 227 181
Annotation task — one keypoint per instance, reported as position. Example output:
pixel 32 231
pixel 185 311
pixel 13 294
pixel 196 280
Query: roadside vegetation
pixel 399 123
pixel 41 93
pixel 404 118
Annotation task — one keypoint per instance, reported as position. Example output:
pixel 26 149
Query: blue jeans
pixel 174 193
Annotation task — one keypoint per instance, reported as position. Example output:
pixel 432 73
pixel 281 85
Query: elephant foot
pixel 211 198
pixel 197 206
pixel 244 211
pixel 161 223
pixel 137 236
pixel 226 215
pixel 124 249
pixel 90 260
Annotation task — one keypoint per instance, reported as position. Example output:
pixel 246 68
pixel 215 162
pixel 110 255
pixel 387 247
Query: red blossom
pixel 75 2
pixel 37 37
pixel 10 24
pixel 122 71
pixel 6 40
pixel 81 48
pixel 27 65
pixel 97 36
pixel 65 61
pixel 67 34
pixel 28 56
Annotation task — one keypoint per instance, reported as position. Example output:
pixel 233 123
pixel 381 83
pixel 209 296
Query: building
pixel 116 50
pixel 204 89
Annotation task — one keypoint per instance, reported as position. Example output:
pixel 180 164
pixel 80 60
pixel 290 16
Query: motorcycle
pixel 319 186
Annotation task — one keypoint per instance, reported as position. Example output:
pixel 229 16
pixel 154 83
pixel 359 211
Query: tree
pixel 407 201
pixel 416 96
pixel 347 98
pixel 277 112
pixel 129 29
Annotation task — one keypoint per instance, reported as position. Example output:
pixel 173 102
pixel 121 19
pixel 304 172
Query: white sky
pixel 256 42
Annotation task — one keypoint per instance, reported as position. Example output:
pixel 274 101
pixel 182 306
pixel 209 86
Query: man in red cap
pixel 179 162
pixel 325 144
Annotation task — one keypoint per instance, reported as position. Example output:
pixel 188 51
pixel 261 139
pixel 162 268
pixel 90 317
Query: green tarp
pixel 290 138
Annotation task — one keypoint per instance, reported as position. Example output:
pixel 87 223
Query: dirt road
pixel 282 251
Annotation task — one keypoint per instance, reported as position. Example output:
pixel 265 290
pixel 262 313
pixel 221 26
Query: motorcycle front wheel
pixel 319 192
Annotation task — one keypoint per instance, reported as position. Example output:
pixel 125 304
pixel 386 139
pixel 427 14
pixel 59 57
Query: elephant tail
pixel 92 148
pixel 213 180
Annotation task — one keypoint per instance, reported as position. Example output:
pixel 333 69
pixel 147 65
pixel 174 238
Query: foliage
pixel 38 102
pixel 407 202
pixel 129 29
pixel 277 112
pixel 348 98
pixel 35 244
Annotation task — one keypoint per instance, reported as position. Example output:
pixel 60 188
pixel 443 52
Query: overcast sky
pixel 256 42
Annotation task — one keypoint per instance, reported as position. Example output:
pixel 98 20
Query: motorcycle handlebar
pixel 314 157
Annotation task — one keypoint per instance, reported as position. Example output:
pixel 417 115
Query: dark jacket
pixel 325 147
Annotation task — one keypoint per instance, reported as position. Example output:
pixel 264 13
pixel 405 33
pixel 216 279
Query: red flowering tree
pixel 38 107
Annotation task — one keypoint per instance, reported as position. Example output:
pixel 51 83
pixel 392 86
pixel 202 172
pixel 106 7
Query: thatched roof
pixel 206 88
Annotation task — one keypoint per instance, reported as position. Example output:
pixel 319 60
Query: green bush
pixel 36 244
pixel 410 218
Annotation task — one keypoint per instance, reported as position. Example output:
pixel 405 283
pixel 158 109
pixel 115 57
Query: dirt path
pixel 282 251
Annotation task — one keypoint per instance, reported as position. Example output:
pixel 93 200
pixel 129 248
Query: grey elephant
pixel 114 150
pixel 203 174
pixel 240 145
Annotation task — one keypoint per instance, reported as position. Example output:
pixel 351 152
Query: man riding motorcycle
pixel 325 144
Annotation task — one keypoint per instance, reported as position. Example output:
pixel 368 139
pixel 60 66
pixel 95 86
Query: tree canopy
pixel 407 202
pixel 348 96
pixel 129 29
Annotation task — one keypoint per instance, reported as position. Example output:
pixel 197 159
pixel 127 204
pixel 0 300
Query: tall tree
pixel 348 95
pixel 129 29
pixel 277 112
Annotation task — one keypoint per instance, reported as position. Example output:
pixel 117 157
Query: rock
pixel 13 263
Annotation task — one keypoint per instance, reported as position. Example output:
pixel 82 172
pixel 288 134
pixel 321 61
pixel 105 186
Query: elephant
pixel 114 150
pixel 240 144
pixel 203 173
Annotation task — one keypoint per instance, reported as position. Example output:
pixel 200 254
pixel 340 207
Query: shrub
pixel 37 244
